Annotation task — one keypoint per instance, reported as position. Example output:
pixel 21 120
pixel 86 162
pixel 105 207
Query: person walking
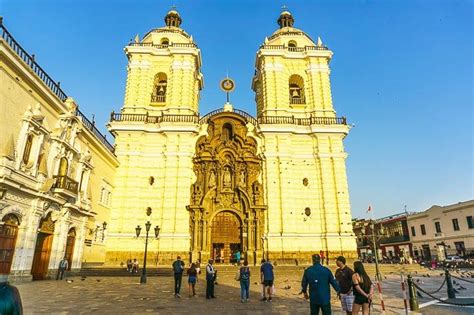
pixel 321 255
pixel 344 279
pixel 267 278
pixel 244 282
pixel 63 266
pixel 363 289
pixel 178 268
pixel 237 257
pixel 210 278
pixel 129 265
pixel 318 278
pixel 10 300
pixel 192 278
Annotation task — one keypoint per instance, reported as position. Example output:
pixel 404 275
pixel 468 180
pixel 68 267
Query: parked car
pixel 454 259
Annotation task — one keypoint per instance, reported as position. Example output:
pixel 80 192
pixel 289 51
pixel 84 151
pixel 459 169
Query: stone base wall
pixel 115 258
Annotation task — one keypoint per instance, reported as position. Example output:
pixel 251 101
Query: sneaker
pixel 269 299
pixel 247 300
pixel 264 299
pixel 242 300
pixel 178 296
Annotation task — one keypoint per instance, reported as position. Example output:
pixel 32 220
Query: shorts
pixel 267 283
pixel 347 300
pixel 192 279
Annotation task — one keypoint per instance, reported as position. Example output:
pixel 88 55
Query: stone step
pixel 385 269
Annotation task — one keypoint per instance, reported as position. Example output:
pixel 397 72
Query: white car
pixel 454 259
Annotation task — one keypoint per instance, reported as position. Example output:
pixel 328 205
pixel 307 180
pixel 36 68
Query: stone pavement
pixel 124 295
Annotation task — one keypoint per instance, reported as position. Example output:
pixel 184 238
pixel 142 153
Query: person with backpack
pixel 244 282
pixel 178 268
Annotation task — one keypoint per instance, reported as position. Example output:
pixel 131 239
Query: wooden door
pixel 8 235
pixel 71 240
pixel 226 230
pixel 39 269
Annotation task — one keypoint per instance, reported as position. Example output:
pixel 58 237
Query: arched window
pixel 159 88
pixel 165 41
pixel 292 43
pixel 27 151
pixel 63 167
pixel 296 89
pixel 227 132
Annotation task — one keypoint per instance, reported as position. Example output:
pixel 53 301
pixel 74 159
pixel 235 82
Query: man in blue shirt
pixel 266 273
pixel 318 278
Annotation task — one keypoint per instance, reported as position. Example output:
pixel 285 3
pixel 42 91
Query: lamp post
pixel 138 229
pixel 374 236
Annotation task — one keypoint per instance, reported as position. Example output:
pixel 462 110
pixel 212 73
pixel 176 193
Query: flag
pixel 370 209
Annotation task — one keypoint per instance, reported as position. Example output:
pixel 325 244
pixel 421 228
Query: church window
pixel 165 41
pixel 159 88
pixel 227 132
pixel 292 43
pixel 27 151
pixel 296 89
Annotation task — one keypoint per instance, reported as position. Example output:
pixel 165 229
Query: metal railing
pixel 293 49
pixel 158 98
pixel 162 46
pixel 290 120
pixel 247 116
pixel 48 81
pixel 153 119
pixel 67 183
pixel 297 100
pixel 91 126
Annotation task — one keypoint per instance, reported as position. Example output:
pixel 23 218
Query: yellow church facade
pixel 272 186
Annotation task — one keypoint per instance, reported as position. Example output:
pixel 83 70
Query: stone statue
pixel 212 179
pixel 227 182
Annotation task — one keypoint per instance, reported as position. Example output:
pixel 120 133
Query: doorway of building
pixel 44 241
pixel 226 237
pixel 71 239
pixel 8 235
pixel 426 252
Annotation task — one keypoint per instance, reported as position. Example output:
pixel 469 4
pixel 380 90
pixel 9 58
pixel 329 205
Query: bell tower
pixel 292 74
pixel 306 183
pixel 155 136
pixel 164 71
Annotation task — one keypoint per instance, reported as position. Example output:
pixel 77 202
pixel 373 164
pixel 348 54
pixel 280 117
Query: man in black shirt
pixel 344 279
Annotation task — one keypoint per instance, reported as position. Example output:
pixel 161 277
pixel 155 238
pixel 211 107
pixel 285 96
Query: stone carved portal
pixel 227 208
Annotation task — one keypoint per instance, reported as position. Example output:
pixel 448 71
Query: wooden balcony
pixel 65 184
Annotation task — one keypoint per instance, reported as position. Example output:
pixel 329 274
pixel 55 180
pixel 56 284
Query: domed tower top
pixel 172 18
pixel 286 19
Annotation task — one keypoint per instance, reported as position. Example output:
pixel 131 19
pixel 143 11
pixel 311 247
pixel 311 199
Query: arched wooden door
pixel 71 239
pixel 225 237
pixel 39 269
pixel 8 235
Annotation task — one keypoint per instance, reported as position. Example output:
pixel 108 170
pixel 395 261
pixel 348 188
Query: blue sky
pixel 402 72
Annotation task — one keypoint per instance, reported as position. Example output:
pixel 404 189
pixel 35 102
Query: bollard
pixel 412 294
pixel 451 293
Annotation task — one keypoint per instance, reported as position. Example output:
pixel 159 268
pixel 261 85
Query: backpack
pixel 177 267
pixel 244 273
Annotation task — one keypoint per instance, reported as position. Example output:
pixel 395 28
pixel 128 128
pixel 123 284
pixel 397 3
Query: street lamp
pixel 374 237
pixel 138 229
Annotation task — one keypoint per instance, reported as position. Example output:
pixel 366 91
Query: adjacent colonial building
pixel 272 186
pixel 56 171
pixel 443 230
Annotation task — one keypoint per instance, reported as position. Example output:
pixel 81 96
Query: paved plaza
pixel 124 295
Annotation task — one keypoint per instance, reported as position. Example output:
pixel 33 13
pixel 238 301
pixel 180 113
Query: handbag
pixel 237 275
